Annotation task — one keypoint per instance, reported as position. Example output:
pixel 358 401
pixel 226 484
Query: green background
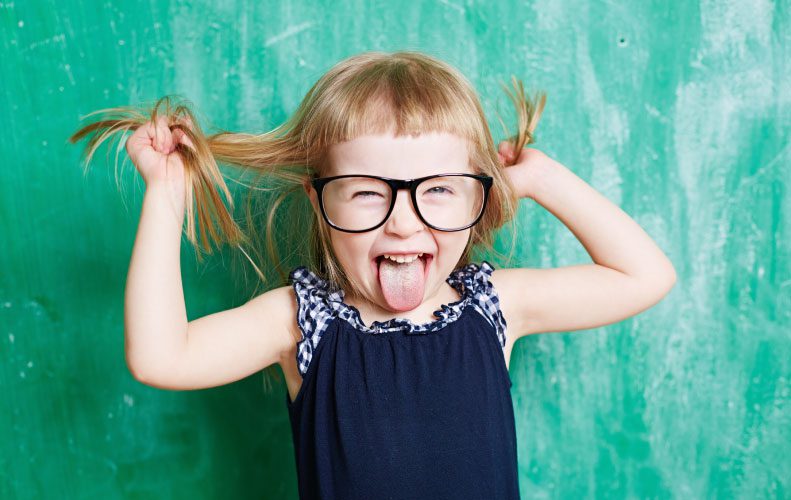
pixel 676 111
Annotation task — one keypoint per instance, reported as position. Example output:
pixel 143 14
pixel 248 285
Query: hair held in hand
pixel 405 92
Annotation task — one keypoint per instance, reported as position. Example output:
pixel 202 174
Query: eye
pixel 365 194
pixel 439 190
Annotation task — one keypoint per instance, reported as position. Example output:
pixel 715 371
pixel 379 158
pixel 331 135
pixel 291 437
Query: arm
pixel 155 317
pixel 163 349
pixel 629 274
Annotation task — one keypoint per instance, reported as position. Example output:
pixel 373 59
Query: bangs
pixel 391 94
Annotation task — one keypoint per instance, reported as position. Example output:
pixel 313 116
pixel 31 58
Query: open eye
pixel 439 190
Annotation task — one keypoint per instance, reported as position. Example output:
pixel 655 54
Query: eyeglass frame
pixel 396 185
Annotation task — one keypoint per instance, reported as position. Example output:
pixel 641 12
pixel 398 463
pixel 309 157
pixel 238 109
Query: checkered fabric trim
pixel 485 300
pixel 319 304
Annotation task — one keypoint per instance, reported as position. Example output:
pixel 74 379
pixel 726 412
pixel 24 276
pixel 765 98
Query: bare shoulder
pixel 278 307
pixel 515 288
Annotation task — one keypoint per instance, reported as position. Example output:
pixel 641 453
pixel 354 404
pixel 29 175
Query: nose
pixel 403 219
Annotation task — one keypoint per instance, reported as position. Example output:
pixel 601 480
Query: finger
pixel 506 149
pixel 170 142
pixel 188 121
pixel 177 133
pixel 138 140
pixel 184 121
pixel 164 136
pixel 154 135
pixel 141 136
pixel 180 136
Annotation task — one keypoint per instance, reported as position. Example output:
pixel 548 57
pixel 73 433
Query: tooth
pixel 402 259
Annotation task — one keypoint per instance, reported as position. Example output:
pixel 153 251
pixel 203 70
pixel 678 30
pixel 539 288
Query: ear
pixel 312 195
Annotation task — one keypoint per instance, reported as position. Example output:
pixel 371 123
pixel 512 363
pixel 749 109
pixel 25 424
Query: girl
pixel 393 341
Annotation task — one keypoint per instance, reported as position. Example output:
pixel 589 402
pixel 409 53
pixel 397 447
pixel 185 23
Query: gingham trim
pixel 313 314
pixel 319 303
pixel 484 297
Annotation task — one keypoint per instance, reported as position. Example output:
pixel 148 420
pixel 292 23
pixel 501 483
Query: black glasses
pixel 445 202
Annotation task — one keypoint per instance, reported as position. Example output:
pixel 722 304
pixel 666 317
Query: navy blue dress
pixel 397 410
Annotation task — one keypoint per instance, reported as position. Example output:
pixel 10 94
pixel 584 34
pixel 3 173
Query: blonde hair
pixel 405 92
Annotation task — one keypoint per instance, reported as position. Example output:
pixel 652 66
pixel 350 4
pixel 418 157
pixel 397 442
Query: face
pixel 403 157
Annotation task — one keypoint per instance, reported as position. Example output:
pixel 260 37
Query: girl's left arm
pixel 629 274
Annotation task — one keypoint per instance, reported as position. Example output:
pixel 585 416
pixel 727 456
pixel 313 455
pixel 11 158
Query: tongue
pixel 402 284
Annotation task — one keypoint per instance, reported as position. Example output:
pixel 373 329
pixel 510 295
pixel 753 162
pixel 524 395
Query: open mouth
pixel 402 279
pixel 426 258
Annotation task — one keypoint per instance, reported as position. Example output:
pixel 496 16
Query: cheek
pixel 352 250
pixel 453 243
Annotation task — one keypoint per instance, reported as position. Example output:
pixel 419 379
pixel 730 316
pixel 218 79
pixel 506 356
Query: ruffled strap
pixel 485 300
pixel 314 311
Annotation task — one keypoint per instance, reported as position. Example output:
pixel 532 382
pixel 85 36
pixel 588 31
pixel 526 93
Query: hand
pixel 523 169
pixel 152 149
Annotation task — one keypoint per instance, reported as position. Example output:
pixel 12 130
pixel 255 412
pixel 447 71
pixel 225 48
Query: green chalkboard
pixel 679 112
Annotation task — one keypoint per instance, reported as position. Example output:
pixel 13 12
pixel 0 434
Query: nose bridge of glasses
pixel 404 215
pixel 403 192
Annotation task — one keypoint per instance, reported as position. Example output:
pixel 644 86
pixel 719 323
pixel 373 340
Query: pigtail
pixel 204 184
pixel 528 112
pixel 503 210
pixel 209 203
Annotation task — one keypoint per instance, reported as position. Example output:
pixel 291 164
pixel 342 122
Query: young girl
pixel 393 342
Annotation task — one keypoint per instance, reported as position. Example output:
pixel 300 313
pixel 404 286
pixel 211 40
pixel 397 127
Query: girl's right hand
pixel 152 149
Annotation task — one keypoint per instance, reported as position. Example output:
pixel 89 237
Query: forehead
pixel 400 157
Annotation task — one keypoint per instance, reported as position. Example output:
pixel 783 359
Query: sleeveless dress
pixel 398 410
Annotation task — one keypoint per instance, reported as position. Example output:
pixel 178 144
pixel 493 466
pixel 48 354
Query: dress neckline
pixel 461 279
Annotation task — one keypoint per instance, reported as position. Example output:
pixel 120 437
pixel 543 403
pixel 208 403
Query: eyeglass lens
pixel 359 203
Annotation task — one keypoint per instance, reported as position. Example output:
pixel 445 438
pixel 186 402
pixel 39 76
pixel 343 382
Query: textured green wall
pixel 676 111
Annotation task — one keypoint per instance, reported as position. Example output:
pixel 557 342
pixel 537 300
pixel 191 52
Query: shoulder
pixel 316 305
pixel 475 278
pixel 474 281
pixel 277 298
pixel 517 289
pixel 307 283
pixel 278 308
pixel 314 296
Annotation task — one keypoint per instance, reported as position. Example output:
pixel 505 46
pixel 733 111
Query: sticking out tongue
pixel 402 284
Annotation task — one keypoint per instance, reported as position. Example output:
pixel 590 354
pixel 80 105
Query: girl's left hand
pixel 523 169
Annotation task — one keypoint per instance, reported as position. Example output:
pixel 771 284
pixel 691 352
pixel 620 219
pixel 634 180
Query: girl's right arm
pixel 162 348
